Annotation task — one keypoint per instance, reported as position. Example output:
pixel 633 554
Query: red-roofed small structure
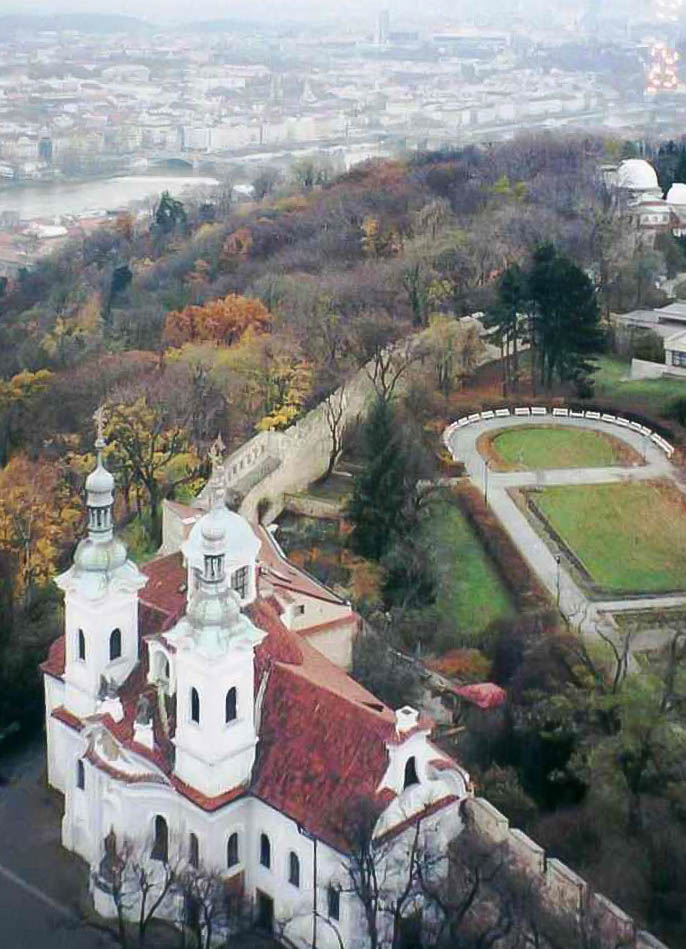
pixel 485 695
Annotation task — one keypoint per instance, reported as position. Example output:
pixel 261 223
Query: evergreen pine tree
pixel 379 491
pixel 566 316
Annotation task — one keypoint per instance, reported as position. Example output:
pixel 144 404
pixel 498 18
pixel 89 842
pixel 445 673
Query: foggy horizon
pixel 157 11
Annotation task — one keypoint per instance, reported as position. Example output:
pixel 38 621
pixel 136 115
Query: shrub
pixel 524 586
pixel 676 409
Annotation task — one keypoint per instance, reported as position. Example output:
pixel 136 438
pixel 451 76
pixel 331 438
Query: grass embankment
pixel 629 537
pixel 612 383
pixel 550 446
pixel 470 592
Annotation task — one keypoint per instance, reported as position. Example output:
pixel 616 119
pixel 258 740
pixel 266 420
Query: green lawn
pixel 653 395
pixel 551 447
pixel 470 592
pixel 630 537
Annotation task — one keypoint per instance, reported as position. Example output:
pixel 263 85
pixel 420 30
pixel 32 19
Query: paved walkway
pixel 590 616
pixel 42 887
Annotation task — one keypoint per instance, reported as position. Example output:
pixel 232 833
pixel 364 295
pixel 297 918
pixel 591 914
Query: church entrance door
pixel 265 912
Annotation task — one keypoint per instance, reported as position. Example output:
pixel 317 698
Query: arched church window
pixel 265 851
pixel 195 706
pixel 230 705
pixel 293 869
pixel 193 851
pixel 80 775
pixel 410 773
pixel 232 851
pixel 160 847
pixel 115 644
pixel 82 645
pixel 239 582
pixel 333 901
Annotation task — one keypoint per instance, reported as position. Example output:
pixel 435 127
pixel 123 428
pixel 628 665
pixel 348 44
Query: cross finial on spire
pixel 217 483
pixel 216 453
pixel 99 419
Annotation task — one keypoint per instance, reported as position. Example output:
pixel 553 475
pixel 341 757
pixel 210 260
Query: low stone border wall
pixel 310 506
pixel 536 411
pixel 565 893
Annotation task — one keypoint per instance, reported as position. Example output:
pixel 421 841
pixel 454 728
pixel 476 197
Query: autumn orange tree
pixel 39 513
pixel 221 321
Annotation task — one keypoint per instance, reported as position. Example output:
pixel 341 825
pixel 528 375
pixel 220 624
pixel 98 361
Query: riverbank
pixel 92 197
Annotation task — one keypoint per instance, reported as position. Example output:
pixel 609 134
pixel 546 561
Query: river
pixel 51 200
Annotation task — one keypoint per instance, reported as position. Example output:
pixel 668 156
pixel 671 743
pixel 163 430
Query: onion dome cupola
pixel 238 543
pixel 100 496
pixel 100 551
pixel 214 616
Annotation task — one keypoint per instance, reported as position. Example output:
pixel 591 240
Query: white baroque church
pixel 200 706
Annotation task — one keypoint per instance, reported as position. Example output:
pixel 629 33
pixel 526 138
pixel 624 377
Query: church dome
pixel 635 174
pixel 677 194
pixel 94 557
pixel 213 610
pixel 229 534
pixel 99 481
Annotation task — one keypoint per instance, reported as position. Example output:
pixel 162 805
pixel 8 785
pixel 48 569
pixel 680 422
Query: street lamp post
pixel 557 578
pixel 486 466
pixel 309 836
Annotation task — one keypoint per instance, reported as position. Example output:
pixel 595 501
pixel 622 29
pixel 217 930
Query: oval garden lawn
pixel 550 446
pixel 630 537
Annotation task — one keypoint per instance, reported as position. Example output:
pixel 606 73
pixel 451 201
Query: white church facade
pixel 199 707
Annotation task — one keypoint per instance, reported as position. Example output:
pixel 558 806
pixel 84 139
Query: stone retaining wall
pixel 564 891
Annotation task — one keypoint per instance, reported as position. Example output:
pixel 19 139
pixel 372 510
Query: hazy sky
pixel 367 10
pixel 183 10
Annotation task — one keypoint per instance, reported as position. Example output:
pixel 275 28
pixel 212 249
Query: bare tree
pixel 209 905
pixel 138 883
pixel 334 414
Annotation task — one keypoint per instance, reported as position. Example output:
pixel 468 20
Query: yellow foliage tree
pixel 156 458
pixel 288 387
pixel 378 243
pixel 16 396
pixel 39 513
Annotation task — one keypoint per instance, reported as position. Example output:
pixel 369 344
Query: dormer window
pixel 81 646
pixel 195 706
pixel 410 773
pixel 239 582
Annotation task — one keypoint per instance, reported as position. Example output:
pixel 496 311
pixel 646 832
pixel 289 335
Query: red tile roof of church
pixel 54 664
pixel 165 591
pixel 322 738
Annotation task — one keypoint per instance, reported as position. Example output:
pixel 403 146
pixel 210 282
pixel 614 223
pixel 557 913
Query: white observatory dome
pixel 634 174
pixel 677 194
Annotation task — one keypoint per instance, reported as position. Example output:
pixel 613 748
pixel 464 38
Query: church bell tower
pixel 100 599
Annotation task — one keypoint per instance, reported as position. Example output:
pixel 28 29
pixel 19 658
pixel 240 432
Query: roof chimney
pixel 406 718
